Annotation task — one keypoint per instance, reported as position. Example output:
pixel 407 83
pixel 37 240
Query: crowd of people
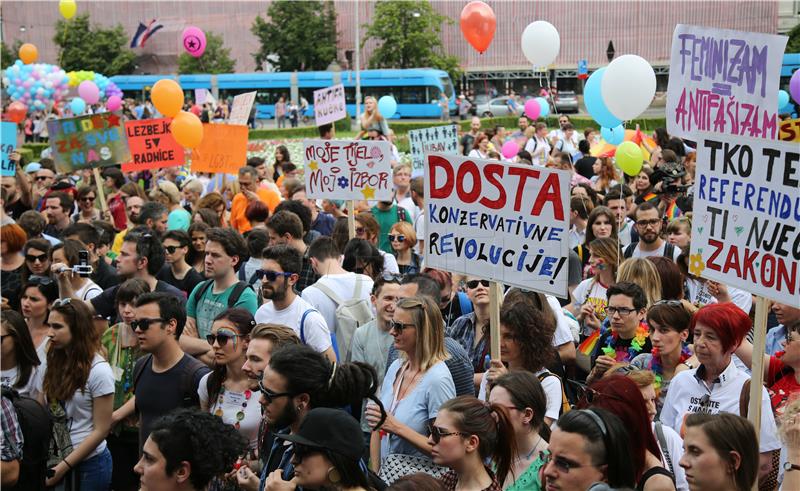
pixel 189 334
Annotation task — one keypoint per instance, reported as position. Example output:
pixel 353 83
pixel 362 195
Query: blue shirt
pixel 775 338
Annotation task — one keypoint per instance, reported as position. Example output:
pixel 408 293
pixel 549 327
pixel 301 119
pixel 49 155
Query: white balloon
pixel 628 86
pixel 541 43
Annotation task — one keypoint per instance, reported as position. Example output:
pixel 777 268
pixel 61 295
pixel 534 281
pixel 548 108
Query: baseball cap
pixel 33 167
pixel 167 188
pixel 329 429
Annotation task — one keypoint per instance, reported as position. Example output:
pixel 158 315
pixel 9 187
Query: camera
pixel 670 175
pixel 83 268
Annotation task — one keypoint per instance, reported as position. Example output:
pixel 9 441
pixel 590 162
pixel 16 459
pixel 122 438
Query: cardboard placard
pixel 8 142
pixel 94 140
pixel 152 145
pixel 240 111
pixel 439 139
pixel 348 169
pixel 790 130
pixel 504 222
pixel 329 105
pixel 223 149
pixel 747 209
pixel 723 81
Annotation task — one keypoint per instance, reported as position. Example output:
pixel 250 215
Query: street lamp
pixel 610 51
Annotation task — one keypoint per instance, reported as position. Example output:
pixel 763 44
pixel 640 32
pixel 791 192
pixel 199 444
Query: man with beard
pixel 13 204
pixel 649 224
pixel 279 272
pixel 57 208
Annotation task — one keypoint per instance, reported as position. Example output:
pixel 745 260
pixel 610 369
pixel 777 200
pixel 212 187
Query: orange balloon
pixel 28 53
pixel 16 112
pixel 187 129
pixel 478 24
pixel 167 96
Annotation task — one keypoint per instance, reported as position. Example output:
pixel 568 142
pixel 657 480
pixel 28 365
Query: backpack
pixel 402 216
pixel 350 314
pixel 36 425
pixel 334 344
pixel 464 302
pixel 669 250
pixel 565 405
pixel 243 278
pixel 188 374
pixel 238 289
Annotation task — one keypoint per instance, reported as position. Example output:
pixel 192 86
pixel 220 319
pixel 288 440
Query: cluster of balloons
pixel 36 85
pixel 194 41
pixel 537 108
pixel 387 106
pixel 186 128
pixel 104 84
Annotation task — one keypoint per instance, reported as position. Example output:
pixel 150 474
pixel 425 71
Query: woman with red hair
pixel 716 385
pixel 12 263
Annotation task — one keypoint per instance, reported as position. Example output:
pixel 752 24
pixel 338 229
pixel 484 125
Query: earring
pixel 333 475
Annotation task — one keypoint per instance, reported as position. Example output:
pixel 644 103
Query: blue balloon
pixel 783 98
pixel 614 136
pixel 77 105
pixel 544 106
pixel 387 106
pixel 594 101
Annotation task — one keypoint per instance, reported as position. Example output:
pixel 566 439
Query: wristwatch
pixel 788 466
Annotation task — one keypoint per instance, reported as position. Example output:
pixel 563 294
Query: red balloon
pixel 478 24
pixel 16 112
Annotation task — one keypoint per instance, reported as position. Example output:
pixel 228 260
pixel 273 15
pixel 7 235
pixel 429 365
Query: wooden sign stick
pixel 100 192
pixel 351 218
pixel 757 375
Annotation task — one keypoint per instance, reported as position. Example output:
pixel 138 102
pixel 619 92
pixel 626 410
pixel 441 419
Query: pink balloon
pixel 532 109
pixel 194 41
pixel 510 149
pixel 89 92
pixel 113 103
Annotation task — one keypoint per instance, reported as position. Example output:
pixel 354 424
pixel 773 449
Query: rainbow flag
pixel 589 344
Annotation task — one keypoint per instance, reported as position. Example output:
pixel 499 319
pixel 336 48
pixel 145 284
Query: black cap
pixel 330 429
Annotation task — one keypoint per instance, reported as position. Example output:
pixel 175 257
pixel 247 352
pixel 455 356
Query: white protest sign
pixel 240 111
pixel 439 139
pixel 348 169
pixel 723 81
pixel 200 96
pixel 746 230
pixel 329 105
pixel 503 222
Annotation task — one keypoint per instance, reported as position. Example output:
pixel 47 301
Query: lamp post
pixel 610 51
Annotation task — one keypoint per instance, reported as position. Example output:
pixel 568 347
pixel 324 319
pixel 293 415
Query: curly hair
pixel 69 367
pixel 532 331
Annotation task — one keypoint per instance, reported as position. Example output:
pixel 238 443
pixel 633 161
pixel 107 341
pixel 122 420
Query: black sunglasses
pixel 88 198
pixel 171 249
pixel 43 178
pixel 144 324
pixel 399 326
pixel 271 275
pixel 472 284
pixel 271 396
pixel 437 433
pixel 36 259
pixel 40 280
pixel 221 338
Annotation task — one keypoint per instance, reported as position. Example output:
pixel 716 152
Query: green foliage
pixel 83 46
pixel 793 46
pixel 409 36
pixel 298 35
pixel 35 150
pixel 215 59
pixel 9 55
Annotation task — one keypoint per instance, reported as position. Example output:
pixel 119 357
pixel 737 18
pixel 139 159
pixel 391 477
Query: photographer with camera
pixel 668 183
pixel 70 266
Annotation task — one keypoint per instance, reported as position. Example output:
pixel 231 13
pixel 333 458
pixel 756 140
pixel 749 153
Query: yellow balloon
pixel 28 53
pixel 167 96
pixel 67 8
pixel 187 129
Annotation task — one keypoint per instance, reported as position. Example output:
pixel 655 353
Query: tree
pixel 409 36
pixel 298 35
pixel 9 55
pixel 793 46
pixel 215 59
pixel 83 46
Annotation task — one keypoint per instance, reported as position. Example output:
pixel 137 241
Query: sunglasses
pixel 88 198
pixel 399 326
pixel 392 277
pixel 472 284
pixel 61 302
pixel 271 275
pixel 437 433
pixel 171 249
pixel 271 396
pixel 36 259
pixel 40 280
pixel 397 238
pixel 42 178
pixel 144 324
pixel 221 338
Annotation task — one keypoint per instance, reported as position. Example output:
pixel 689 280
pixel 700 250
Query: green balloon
pixel 629 158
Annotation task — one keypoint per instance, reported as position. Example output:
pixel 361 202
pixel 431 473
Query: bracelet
pixel 65 461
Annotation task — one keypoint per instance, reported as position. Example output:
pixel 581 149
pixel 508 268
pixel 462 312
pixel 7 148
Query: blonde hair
pixel 642 272
pixel 676 223
pixel 372 116
pixel 427 318
pixel 405 228
pixel 642 378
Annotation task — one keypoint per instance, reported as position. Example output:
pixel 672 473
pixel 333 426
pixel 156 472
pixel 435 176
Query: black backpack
pixel 36 425
pixel 669 250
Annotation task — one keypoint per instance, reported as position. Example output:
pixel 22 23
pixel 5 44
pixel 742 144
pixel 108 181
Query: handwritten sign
pixel 349 170
pixel 240 111
pixel 329 105
pixel 746 234
pixel 94 140
pixel 498 221
pixel 790 130
pixel 200 96
pixel 152 145
pixel 8 142
pixel 439 139
pixel 723 81
pixel 223 149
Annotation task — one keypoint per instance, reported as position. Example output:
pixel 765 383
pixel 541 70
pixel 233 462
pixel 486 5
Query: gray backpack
pixel 350 314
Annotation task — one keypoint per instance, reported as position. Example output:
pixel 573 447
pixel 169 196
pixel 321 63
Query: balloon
pixel 541 43
pixel 478 24
pixel 544 106
pixel 387 106
pixel 628 86
pixel 114 103
pixel 67 8
pixel 613 136
pixel 187 129
pixel 594 101
pixel 77 105
pixel 629 158
pixel 89 92
pixel 532 109
pixel 28 53
pixel 167 96
pixel 783 98
pixel 194 41
pixel 794 86
pixel 16 112
pixel 510 149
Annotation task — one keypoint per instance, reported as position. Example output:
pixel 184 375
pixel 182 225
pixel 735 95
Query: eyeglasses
pixel 397 238
pixel 562 464
pixel 472 284
pixel 271 275
pixel 399 326
pixel 144 324
pixel 271 396
pixel 221 338
pixel 171 249
pixel 622 311
pixel 648 223
pixel 437 433
pixel 42 258
pixel 88 198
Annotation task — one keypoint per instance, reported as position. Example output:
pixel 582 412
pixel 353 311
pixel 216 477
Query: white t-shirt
pixel 637 252
pixel 563 333
pixel 699 295
pixel 315 329
pixel 34 386
pixel 552 390
pixel 419 229
pixel 411 208
pixel 344 285
pixel 389 263
pixel 232 404
pixel 675 449
pixel 539 150
pixel 592 291
pixel 88 291
pixel 576 237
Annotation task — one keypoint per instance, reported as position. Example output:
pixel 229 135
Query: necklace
pixel 533 449
pixel 240 412
pixel 637 343
pixel 657 367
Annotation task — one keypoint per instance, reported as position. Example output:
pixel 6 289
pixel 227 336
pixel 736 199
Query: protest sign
pixel 747 209
pixel 200 96
pixel 152 145
pixel 223 149
pixel 790 130
pixel 723 81
pixel 94 140
pixel 503 222
pixel 329 105
pixel 8 142
pixel 240 111
pixel 349 170
pixel 439 139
